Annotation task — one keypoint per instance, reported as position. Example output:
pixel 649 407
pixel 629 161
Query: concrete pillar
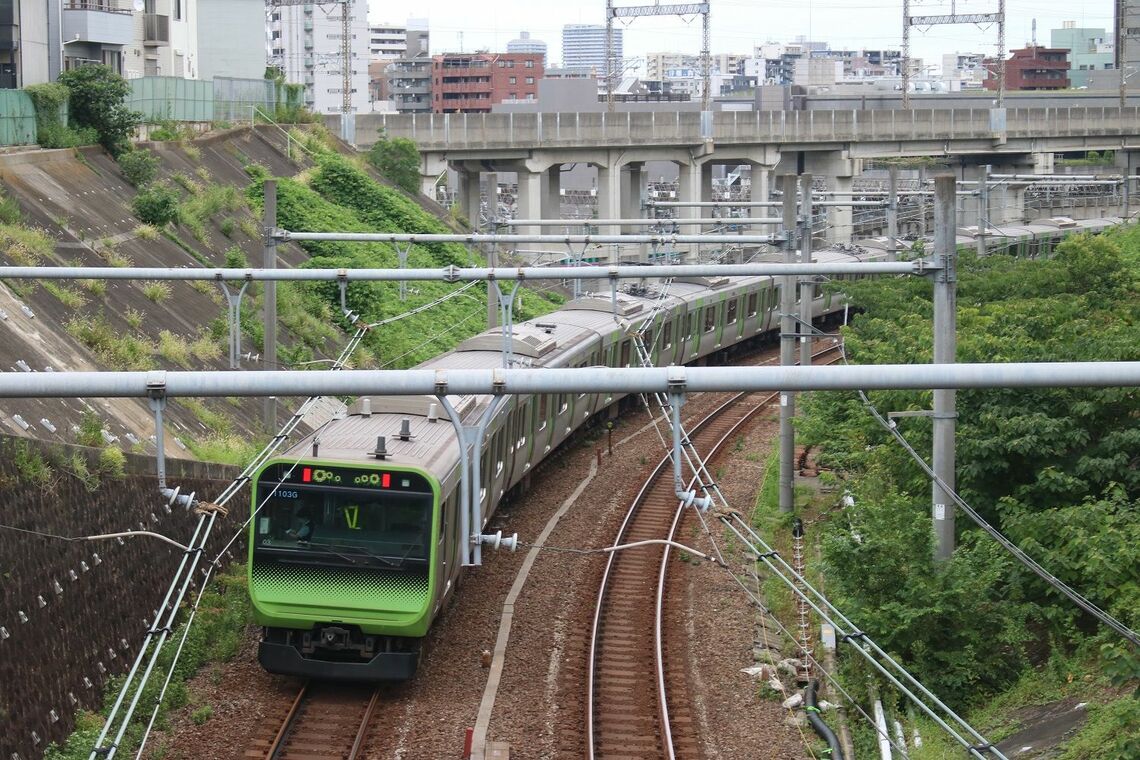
pixel 688 190
pixel 530 199
pixel 634 187
pixel 838 172
pixel 552 192
pixel 609 197
pixel 491 193
pixel 468 196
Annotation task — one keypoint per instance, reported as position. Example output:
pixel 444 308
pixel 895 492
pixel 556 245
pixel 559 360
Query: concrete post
pixel 634 186
pixel 530 199
pixel 688 191
pixel 788 348
pixel 468 196
pixel 491 193
pixel 269 261
pixel 945 351
pixel 806 284
pixel 552 192
pixel 840 227
pixel 609 197
pixel 921 202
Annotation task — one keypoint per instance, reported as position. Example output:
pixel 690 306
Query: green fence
pixel 17 118
pixel 221 99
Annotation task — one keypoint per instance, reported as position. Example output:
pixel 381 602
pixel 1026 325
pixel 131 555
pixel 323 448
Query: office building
pixel 584 46
pixel 526 44
pixel 1032 68
pixel 1090 49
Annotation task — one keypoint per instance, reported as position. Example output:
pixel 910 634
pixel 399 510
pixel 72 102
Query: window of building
pixel 530 64
pixel 530 80
pixel 513 80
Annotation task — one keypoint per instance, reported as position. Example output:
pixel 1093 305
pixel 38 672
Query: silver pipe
pixel 464 482
pixel 455 274
pixel 384 237
pixel 639 222
pixel 593 380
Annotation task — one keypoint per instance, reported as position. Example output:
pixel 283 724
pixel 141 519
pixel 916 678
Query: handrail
pixel 255 110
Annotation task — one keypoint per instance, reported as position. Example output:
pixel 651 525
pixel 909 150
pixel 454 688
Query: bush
pixel 138 166
pixel 399 161
pixel 112 463
pixel 97 100
pixel 156 204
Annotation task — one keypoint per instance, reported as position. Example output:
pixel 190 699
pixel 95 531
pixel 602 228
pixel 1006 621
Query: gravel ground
pixel 539 709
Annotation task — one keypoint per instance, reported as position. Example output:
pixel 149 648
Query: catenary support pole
pixel 945 350
pixel 806 283
pixel 270 306
pixel 787 346
pixel 892 213
pixel 983 210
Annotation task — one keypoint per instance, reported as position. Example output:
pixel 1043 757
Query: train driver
pixel 304 531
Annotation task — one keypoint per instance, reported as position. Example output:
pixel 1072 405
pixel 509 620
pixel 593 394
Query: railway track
pixel 324 722
pixel 629 713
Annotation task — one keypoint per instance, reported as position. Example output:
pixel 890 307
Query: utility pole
pixel 269 261
pixel 806 283
pixel 953 17
pixel 657 9
pixel 788 348
pixel 945 351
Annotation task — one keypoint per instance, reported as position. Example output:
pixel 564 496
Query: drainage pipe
pixel 821 728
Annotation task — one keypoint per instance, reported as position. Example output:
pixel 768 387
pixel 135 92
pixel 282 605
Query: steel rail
pixel 278 742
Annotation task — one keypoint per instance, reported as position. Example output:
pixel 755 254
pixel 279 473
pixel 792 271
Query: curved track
pixel 324 722
pixel 628 712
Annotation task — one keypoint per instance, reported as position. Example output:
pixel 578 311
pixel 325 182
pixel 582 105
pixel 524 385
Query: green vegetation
pixel 70 298
pixel 97 101
pixel 225 448
pixel 10 210
pixel 156 291
pixel 222 617
pixel 49 100
pixel 30 466
pixel 117 351
pixel 1091 158
pixel 398 161
pixel 342 196
pixel 139 167
pixel 25 246
pixel 156 204
pixel 1053 469
pixel 146 232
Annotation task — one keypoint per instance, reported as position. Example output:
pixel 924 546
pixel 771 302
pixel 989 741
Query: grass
pixel 120 352
pixel 97 288
pixel 226 448
pixel 146 232
pixel 134 318
pixel 116 259
pixel 69 298
pixel 174 348
pixel 249 228
pixel 205 349
pixel 25 246
pixel 215 422
pixel 156 291
pixel 30 466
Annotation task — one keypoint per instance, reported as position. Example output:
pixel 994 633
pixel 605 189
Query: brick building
pixel 473 82
pixel 1032 68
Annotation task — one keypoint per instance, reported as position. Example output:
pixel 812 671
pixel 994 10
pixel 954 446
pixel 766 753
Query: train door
pixel 752 315
pixel 732 319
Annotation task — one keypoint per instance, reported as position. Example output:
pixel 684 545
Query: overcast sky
pixel 737 25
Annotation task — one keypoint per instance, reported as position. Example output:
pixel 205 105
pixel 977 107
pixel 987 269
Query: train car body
pixel 354 549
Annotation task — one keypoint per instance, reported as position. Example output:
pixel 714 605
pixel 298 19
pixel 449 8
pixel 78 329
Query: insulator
pixel 41 601
pixel 55 585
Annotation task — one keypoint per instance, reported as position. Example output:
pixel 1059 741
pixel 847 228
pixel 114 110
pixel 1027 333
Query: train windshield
pixel 344 526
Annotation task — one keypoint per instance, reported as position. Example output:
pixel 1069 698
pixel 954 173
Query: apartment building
pixel 306 42
pixel 473 82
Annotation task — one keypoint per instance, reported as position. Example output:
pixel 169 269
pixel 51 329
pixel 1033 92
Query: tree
pixel 398 160
pixel 98 100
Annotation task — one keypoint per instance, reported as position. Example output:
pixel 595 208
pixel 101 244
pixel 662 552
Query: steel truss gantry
pixel 657 9
pixel 953 18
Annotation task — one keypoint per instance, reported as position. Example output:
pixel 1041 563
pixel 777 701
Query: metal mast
pixel 657 9
pixel 953 18
pixel 345 48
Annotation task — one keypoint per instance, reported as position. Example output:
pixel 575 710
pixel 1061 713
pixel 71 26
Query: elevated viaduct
pixel 831 144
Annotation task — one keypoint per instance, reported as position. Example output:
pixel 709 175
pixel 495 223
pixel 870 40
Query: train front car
pixel 341 568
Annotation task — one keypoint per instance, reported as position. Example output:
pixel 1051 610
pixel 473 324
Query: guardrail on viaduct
pixel 497 131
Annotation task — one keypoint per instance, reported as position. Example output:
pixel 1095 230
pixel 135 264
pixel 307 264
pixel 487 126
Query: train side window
pixel 580 366
pixel 731 317
pixel 667 335
pixel 542 412
pixel 689 325
pixel 710 318
pixel 624 354
pixel 752 300
pixel 562 403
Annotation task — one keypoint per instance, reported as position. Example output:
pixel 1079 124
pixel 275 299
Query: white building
pixel 525 44
pixel 24 46
pixel 584 45
pixel 165 40
pixel 306 43
pixel 227 34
